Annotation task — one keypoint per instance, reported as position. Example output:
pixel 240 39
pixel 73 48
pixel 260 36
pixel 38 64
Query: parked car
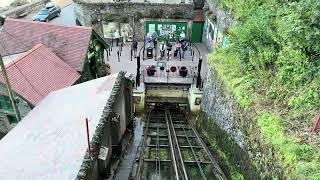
pixel 49 12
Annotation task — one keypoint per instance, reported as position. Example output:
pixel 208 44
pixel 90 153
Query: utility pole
pixel 134 29
pixel 13 101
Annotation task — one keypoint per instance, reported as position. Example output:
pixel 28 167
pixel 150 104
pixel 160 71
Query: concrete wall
pixel 87 13
pixel 122 107
pixel 233 131
pixel 117 102
pixel 34 6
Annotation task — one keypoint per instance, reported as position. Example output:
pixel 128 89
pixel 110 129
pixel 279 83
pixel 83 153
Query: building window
pixel 5 103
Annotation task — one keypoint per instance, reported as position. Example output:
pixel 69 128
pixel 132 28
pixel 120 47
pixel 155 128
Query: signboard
pixel 152 28
pixel 170 31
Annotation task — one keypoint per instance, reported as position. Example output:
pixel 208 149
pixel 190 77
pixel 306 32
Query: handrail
pixel 196 49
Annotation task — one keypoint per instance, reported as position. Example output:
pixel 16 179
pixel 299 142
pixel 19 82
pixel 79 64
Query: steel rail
pixel 171 149
pixel 185 176
pixel 141 160
pixel 157 150
pixel 193 152
pixel 218 172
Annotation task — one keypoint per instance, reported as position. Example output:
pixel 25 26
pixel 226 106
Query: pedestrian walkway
pixel 124 63
pixel 126 164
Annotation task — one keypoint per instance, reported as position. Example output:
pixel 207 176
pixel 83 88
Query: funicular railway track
pixel 172 149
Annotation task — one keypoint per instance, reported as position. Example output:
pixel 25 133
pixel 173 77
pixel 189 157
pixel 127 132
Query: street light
pixel 198 83
pixel 138 64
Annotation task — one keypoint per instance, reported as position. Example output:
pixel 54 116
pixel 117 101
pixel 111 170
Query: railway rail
pixel 172 149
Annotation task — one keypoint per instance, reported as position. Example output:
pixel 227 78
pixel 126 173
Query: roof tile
pixel 69 43
pixel 39 72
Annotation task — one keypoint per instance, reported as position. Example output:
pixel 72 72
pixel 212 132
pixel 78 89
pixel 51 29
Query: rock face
pixel 232 132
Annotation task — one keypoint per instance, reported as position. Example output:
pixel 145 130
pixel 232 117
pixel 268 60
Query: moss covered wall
pixel 233 134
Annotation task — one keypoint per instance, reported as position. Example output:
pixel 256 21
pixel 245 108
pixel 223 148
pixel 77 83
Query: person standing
pixel 134 48
pixel 162 50
pixel 169 48
pixel 184 47
pixel 178 48
pixel 124 36
pixel 117 37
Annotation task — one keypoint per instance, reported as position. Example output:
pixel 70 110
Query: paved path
pixel 126 64
pixel 67 16
pixel 130 156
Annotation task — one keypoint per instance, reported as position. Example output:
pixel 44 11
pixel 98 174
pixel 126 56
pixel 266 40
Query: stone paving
pixel 126 64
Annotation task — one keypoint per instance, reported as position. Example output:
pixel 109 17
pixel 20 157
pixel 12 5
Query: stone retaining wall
pixel 90 168
pixel 27 8
pixel 95 14
pixel 232 131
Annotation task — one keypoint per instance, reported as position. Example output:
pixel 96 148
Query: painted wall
pixel 216 25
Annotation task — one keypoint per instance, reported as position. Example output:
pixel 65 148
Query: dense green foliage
pixel 272 65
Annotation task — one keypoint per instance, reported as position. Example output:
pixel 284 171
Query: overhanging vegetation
pixel 272 66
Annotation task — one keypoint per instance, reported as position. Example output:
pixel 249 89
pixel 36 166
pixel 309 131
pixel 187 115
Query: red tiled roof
pixel 198 16
pixel 39 72
pixel 69 43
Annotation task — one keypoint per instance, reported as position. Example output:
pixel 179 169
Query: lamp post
pixel 138 65
pixel 198 83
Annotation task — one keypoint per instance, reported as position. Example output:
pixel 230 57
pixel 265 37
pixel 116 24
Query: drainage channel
pixel 172 149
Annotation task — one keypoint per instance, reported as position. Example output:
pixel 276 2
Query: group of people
pixel 178 48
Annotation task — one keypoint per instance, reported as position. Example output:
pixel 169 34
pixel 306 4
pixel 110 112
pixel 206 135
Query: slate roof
pixel 69 43
pixel 38 72
pixel 50 142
